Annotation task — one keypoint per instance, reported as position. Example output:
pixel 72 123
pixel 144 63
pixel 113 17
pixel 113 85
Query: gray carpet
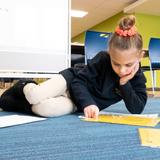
pixel 69 138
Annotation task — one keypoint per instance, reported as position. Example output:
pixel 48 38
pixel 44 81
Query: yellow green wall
pixel 106 26
pixel 148 26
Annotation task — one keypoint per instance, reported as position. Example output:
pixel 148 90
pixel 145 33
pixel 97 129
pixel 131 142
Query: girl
pixel 108 78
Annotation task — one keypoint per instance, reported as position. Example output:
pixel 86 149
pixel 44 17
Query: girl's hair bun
pixel 126 35
pixel 127 22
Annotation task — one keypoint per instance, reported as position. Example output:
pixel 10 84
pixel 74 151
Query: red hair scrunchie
pixel 131 32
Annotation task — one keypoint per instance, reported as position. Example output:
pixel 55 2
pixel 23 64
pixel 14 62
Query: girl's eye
pixel 129 65
pixel 116 64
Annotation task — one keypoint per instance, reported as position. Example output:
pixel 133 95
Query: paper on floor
pixel 127 119
pixel 11 120
pixel 125 114
pixel 149 137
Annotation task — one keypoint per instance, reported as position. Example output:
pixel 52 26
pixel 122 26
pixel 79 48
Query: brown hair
pixel 121 42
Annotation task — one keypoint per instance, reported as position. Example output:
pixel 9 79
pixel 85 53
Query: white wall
pixel 34 35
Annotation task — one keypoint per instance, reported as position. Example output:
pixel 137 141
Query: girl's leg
pixel 12 104
pixel 53 107
pixel 13 99
pixel 53 87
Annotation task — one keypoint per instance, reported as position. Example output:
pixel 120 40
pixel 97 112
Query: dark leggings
pixel 13 99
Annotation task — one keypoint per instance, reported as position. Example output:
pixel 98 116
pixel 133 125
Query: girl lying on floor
pixel 108 78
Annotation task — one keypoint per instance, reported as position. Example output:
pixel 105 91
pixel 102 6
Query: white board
pixel 34 36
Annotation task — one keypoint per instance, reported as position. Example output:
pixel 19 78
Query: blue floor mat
pixel 69 138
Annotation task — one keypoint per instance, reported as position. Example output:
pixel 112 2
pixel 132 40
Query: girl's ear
pixel 142 53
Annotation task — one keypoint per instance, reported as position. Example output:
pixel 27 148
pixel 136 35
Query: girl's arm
pixel 79 86
pixel 134 93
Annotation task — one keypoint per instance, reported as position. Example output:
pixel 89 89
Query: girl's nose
pixel 122 70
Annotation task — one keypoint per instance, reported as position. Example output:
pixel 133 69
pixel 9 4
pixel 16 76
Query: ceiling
pixel 100 10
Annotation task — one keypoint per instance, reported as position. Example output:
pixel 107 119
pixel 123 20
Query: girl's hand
pixel 125 79
pixel 91 111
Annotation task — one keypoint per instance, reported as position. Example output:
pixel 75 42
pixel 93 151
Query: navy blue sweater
pixel 97 84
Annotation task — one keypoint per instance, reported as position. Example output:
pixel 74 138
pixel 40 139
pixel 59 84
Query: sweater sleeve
pixel 134 93
pixel 79 86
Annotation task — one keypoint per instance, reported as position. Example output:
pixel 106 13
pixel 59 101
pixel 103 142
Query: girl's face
pixel 124 61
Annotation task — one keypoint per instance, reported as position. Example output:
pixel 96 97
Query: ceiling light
pixel 78 13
